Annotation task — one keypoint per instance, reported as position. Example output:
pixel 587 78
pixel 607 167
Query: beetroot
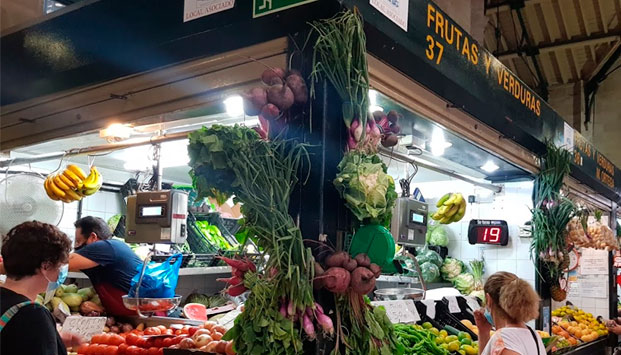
pixel 337 259
pixel 254 100
pixel 281 96
pixel 270 112
pixel 376 269
pixel 362 280
pixel 393 116
pixel 269 75
pixel 377 115
pixel 350 264
pixel 337 279
pixel 363 260
pixel 390 140
pixel 395 128
pixel 297 85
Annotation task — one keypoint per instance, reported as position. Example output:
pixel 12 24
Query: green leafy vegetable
pixel 430 272
pixel 213 235
pixel 464 283
pixel 477 273
pixel 366 187
pixel 439 237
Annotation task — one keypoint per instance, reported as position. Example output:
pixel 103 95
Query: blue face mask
pixel 488 316
pixel 53 285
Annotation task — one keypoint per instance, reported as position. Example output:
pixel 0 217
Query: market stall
pixel 372 199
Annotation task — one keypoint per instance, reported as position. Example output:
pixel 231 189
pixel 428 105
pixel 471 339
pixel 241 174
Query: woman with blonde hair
pixel 510 303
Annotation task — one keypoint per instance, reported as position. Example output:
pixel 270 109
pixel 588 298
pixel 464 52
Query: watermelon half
pixel 195 311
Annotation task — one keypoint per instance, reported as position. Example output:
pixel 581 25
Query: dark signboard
pixel 436 52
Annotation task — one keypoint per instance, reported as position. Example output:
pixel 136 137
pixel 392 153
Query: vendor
pixel 110 264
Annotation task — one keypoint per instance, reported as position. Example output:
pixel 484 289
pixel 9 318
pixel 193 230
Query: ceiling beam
pixel 575 42
pixel 602 17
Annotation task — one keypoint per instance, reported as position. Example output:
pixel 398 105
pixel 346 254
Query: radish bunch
pixel 289 310
pixel 238 270
pixel 345 274
pixel 284 89
pixel 389 127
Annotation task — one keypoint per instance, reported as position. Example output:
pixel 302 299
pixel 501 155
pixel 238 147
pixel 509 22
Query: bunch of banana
pixel 451 208
pixel 72 184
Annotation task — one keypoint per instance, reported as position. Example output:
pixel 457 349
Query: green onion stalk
pixel 233 161
pixel 551 212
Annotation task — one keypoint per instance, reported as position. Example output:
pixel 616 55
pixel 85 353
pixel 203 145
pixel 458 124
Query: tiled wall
pixel 102 204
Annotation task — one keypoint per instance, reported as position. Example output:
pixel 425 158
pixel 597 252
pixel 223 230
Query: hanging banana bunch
pixel 72 184
pixel 451 208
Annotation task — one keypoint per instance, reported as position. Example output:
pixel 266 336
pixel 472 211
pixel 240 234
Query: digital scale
pixel 409 222
pixel 157 217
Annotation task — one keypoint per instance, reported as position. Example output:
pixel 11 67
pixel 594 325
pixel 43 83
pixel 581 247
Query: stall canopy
pixel 102 41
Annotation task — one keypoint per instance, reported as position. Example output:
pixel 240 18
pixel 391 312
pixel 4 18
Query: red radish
pixel 376 269
pixel 281 96
pixel 326 323
pixel 337 279
pixel 261 132
pixel 232 280
pixel 237 272
pixel 297 85
pixel 362 280
pixel 356 130
pixel 269 75
pixel 351 142
pixel 363 260
pixel 235 291
pixel 318 307
pixel 264 133
pixel 309 329
pixel 254 100
pixel 350 264
pixel 270 112
pixel 291 308
pixel 251 266
pixel 238 264
pixel 337 259
pixel 283 310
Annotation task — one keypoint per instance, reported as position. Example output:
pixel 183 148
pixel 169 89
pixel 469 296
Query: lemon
pixel 454 345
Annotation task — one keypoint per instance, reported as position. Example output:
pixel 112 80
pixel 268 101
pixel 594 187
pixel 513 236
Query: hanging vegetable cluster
pixel 272 101
pixel 234 161
pixel 551 214
pixel 369 192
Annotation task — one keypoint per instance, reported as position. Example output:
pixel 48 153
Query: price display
pixel 484 231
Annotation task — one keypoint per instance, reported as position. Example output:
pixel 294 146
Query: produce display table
pixel 592 348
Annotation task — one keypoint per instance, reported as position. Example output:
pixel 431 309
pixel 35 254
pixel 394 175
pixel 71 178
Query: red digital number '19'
pixel 492 235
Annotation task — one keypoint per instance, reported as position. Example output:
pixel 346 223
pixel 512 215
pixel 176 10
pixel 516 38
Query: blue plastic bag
pixel 160 279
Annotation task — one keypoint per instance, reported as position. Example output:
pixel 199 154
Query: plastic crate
pixel 199 244
pixel 216 220
pixel 162 258
pixel 444 317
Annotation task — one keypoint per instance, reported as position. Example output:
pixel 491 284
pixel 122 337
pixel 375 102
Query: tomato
pixel 123 348
pixel 96 339
pixel 221 347
pixel 111 350
pixel 116 339
pixel 132 339
pixel 216 336
pixel 168 332
pixel 98 349
pixel 192 330
pixel 167 342
pixel 209 324
pixel 141 343
pixel 152 331
pixel 153 351
pixel 229 348
pixel 185 330
pixel 82 349
pixel 105 338
pixel 132 350
pixel 162 328
pixel 160 352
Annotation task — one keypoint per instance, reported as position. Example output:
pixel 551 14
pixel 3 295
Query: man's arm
pixel 77 262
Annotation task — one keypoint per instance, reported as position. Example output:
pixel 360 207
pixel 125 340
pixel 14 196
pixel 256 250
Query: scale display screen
pixel 151 211
pixel 416 217
pixel 486 231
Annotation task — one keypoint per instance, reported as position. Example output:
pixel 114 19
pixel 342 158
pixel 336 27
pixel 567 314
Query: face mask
pixel 488 316
pixel 53 285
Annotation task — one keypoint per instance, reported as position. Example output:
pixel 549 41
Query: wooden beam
pixel 581 18
pixel 598 7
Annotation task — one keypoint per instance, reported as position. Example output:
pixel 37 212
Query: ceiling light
pixel 373 102
pixel 234 105
pixel 490 167
pixel 116 132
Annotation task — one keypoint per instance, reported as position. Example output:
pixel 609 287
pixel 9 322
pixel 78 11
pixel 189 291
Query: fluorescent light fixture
pixel 490 167
pixel 174 153
pixel 438 144
pixel 251 123
pixel 234 105
pixel 116 132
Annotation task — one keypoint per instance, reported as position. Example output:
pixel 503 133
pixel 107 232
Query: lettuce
pixel 368 191
pixel 439 237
